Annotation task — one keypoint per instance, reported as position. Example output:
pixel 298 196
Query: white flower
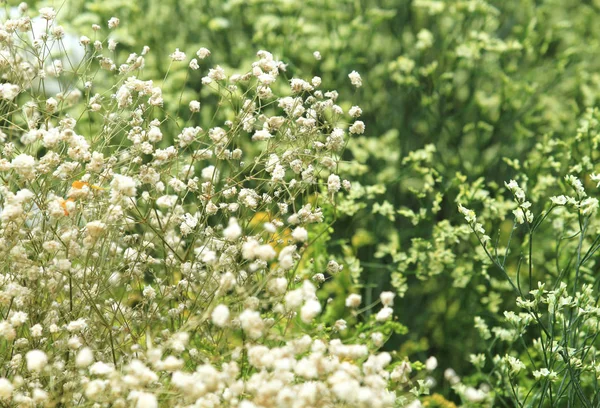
pixel 195 106
pixel 387 298
pixel 355 79
pixel 48 13
pixel 24 165
pixel 123 185
pixel 357 128
pixel 100 368
pixel 353 300
pixel 558 200
pixel 333 183
pixel 474 395
pixel 384 314
pixel 220 315
pixel 9 91
pixel 261 135
pixel 178 55
pixel 233 230
pixel 431 363
pixel 355 111
pixel 95 229
pixel 252 323
pixel 210 173
pixel 113 22
pixel 84 358
pixel 77 325
pixel 300 234
pixel 203 53
pixel 310 310
pixel 6 388
pixel 36 360
pixel 143 399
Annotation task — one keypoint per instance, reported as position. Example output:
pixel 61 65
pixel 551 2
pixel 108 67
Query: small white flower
pixel 48 13
pixel 36 360
pixel 113 22
pixel 300 234
pixel 220 315
pixel 355 79
pixel 178 55
pixel 203 53
pixel 353 300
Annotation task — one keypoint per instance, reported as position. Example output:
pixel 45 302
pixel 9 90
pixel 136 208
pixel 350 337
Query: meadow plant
pixel 541 250
pixel 153 256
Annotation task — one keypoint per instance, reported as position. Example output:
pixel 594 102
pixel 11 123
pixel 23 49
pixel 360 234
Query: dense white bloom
pixel 84 358
pixel 47 13
pixel 95 229
pixel 353 300
pixel 195 106
pixel 113 22
pixel 36 360
pixel 384 314
pixel 355 79
pixel 203 53
pixel 220 315
pixel 24 165
pixel 357 127
pixel 431 363
pixel 233 230
pixel 300 234
pixel 6 388
pixel 261 135
pixel 100 368
pixel 333 183
pixel 123 185
pixel 387 298
pixel 475 395
pixel 355 111
pixel 252 323
pixel 178 55
pixel 143 399
pixel 310 310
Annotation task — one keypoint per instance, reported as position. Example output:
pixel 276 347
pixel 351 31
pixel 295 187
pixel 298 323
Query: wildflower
pixel 36 360
pixel 333 183
pixel 431 363
pixel 387 298
pixel 300 234
pixel 113 22
pixel 178 55
pixel 202 53
pixel 123 185
pixel 310 310
pixel 84 358
pixel 233 230
pixel 220 315
pixel 6 388
pixel 357 128
pixel 353 300
pixel 384 314
pixel 195 106
pixel 355 79
pixel 261 135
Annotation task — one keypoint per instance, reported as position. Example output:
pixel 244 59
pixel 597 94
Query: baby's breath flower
pixel 48 13
pixel 178 55
pixel 202 53
pixel 113 22
pixel 355 79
